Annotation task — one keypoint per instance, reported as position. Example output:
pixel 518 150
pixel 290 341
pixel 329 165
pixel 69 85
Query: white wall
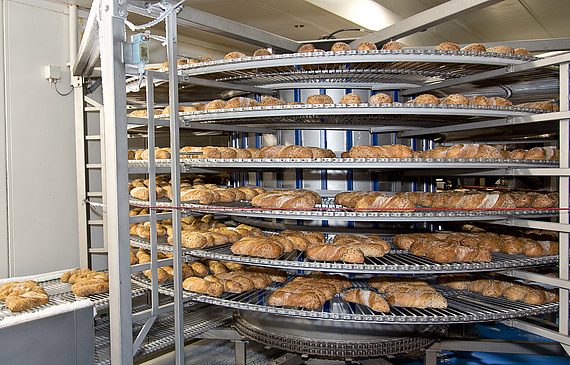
pixel 39 143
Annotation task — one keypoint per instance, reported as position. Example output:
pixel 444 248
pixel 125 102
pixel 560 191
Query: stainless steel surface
pixel 333 339
pixel 357 163
pixel 197 319
pixel 328 210
pixel 404 115
pixel 424 20
pixel 117 212
pixel 414 67
pixel 463 307
pixel 172 53
pixel 536 64
pixel 64 337
pixel 89 49
pixel 564 187
pixel 396 261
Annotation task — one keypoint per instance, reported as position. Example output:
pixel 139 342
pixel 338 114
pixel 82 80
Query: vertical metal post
pixel 564 191
pixel 172 39
pixel 77 83
pixel 240 348
pixel 113 13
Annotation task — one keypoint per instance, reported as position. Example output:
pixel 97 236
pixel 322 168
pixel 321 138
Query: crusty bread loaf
pixel 350 98
pixel 501 49
pixel 320 99
pixel 340 46
pixel 241 102
pixel 425 99
pixel 257 246
pixel 202 286
pixel 269 100
pixel 394 45
pixel 306 48
pixel 386 151
pixel 366 46
pixel 447 46
pixel 456 99
pixel 367 298
pixel 380 98
pixel 234 54
pixel 262 52
pixel 474 47
pixel 24 295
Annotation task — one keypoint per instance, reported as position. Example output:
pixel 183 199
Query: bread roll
pixel 340 46
pixel 425 99
pixel 479 100
pixel 216 104
pixel 350 98
pixel 306 48
pixel 522 51
pixel 380 98
pixel 474 47
pixel 241 102
pixel 262 52
pixel 320 99
pixel 497 101
pixel 447 46
pixel 501 49
pixel 456 99
pixel 234 54
pixel 269 100
pixel 366 46
pixel 394 45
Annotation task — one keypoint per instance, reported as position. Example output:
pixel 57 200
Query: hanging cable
pixel 329 36
pixel 69 92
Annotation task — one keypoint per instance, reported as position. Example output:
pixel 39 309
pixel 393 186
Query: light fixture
pixel 299 26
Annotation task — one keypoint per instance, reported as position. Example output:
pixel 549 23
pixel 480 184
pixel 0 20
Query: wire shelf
pixel 463 306
pixel 328 210
pixel 396 261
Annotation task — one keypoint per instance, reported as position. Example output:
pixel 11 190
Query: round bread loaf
pixel 497 101
pixel 380 98
pixel 447 46
pixel 269 100
pixel 320 99
pixel 501 49
pixel 295 151
pixel 523 51
pixel 474 47
pixel 241 102
pixel 262 52
pixel 306 48
pixel 340 46
pixel 234 54
pixel 394 45
pixel 456 99
pixel 479 100
pixel 366 46
pixel 216 104
pixel 350 98
pixel 426 99
pixel 271 151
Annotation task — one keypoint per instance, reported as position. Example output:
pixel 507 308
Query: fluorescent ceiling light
pixel 366 13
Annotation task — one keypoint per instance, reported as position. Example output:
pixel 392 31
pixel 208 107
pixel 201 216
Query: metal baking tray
pixel 463 306
pixel 396 261
pixel 328 210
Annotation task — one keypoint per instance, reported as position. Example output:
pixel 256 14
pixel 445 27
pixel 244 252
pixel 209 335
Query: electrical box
pixel 52 73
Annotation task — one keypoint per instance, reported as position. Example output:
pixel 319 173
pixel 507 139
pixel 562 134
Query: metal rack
pixel 463 307
pixel 396 261
pixel 474 68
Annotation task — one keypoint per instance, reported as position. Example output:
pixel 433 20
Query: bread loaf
pixel 24 295
pixel 262 52
pixel 320 99
pixel 380 98
pixel 367 298
pixel 392 46
pixel 234 54
pixel 447 46
pixel 202 286
pixel 366 46
pixel 350 98
pixel 474 47
pixel 257 246
pixel 340 46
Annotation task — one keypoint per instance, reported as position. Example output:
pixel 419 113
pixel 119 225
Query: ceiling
pixel 302 20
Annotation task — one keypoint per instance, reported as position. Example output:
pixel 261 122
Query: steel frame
pixel 112 20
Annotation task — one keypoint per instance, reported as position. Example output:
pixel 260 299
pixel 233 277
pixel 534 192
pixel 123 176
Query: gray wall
pixel 39 144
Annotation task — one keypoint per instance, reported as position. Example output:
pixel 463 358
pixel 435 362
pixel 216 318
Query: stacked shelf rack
pixel 406 72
